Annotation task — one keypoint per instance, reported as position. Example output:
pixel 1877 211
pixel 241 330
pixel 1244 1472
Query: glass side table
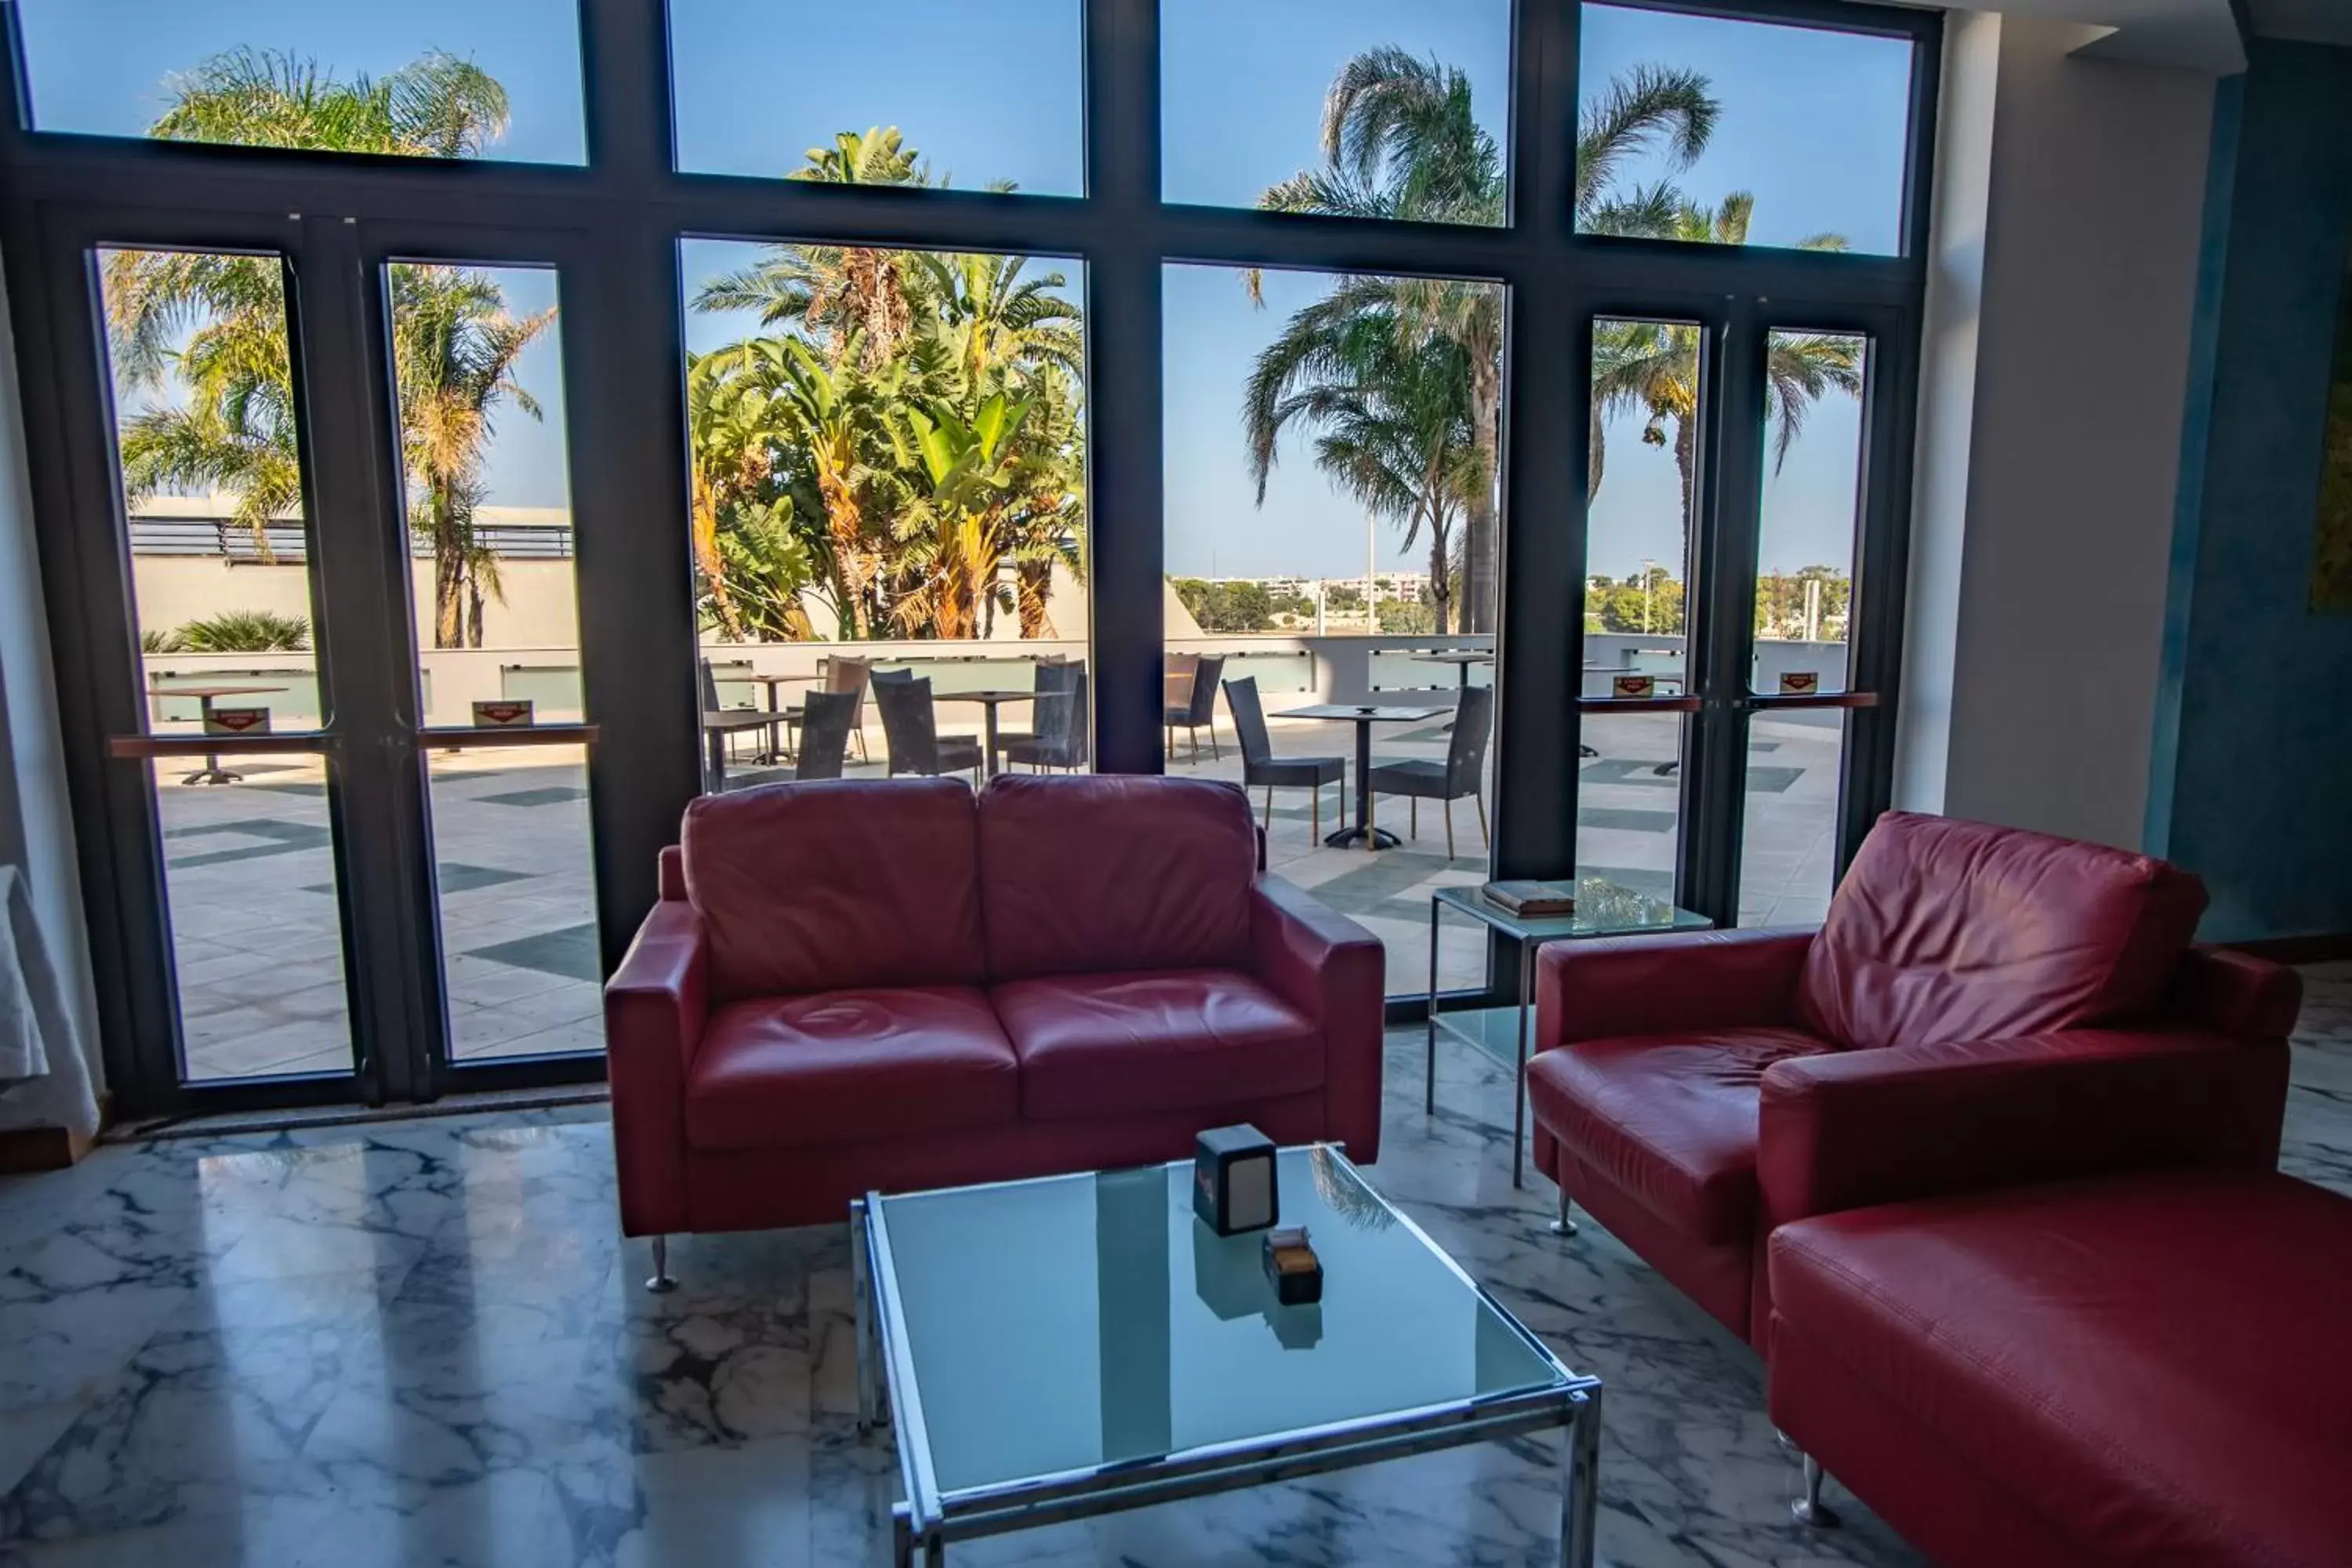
pixel 1602 909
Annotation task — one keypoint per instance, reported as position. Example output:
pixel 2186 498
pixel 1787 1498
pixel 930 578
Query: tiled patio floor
pixel 255 933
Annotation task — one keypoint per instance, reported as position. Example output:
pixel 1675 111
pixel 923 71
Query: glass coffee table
pixel 1056 1349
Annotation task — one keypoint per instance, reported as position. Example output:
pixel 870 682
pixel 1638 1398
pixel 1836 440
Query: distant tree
pixel 1401 618
pixel 1227 607
pixel 1645 602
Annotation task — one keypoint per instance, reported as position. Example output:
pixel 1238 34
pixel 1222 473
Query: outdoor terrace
pixel 252 893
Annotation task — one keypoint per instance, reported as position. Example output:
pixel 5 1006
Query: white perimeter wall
pixel 2070 204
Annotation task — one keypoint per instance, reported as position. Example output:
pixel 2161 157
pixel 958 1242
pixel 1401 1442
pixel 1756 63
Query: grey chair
pixel 721 725
pixel 1199 707
pixel 826 720
pixel 1063 721
pixel 843 673
pixel 912 735
pixel 1461 774
pixel 1260 766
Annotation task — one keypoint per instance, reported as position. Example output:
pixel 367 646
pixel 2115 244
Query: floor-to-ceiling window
pixel 460 440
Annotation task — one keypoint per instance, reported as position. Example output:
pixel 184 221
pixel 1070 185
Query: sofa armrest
pixel 655 1008
pixel 1856 1129
pixel 2236 993
pixel 1333 970
pixel 1658 985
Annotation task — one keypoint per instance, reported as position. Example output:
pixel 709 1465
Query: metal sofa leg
pixel 1448 809
pixel 1412 817
pixel 1810 1509
pixel 1269 808
pixel 1560 1223
pixel 661 1284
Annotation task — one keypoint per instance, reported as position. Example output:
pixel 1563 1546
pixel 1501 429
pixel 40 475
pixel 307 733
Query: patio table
pixel 212 773
pixel 1364 718
pixel 1462 659
pixel 992 700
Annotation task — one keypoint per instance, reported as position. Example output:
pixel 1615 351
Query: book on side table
pixel 1532 899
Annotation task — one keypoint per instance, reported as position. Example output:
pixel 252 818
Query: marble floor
pixel 423 1343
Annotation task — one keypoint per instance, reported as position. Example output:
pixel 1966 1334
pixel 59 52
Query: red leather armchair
pixel 1979 1001
pixel 850 985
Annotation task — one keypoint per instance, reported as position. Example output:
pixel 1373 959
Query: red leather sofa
pixel 855 985
pixel 1980 1005
pixel 2139 1369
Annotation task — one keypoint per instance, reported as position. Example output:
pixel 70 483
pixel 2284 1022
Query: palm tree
pixel 1394 414
pixel 833 290
pixel 219 322
pixel 877 357
pixel 1401 141
pixel 453 352
pixel 1653 367
pixel 438 106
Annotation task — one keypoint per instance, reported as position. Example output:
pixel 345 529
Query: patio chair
pixel 910 731
pixel 1462 773
pixel 845 673
pixel 721 725
pixel 1199 706
pixel 1060 739
pixel 826 720
pixel 1261 766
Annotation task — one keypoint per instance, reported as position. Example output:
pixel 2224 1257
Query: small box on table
pixel 1232 1180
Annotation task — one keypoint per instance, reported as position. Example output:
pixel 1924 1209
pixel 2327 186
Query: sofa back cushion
pixel 1088 875
pixel 836 884
pixel 1958 930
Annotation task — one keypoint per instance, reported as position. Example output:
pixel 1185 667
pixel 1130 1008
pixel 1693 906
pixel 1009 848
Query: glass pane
pixel 518 899
pixel 1718 131
pixel 220 583
pixel 1391 109
pixel 950 93
pixel 425 79
pixel 1804 606
pixel 249 891
pixel 1645 382
pixel 889 482
pixel 1335 547
pixel 479 357
pixel 1123 1329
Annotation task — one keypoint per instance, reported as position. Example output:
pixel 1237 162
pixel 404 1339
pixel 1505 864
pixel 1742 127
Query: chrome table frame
pixel 923 1525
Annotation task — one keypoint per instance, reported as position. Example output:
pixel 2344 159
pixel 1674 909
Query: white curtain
pixel 44 1064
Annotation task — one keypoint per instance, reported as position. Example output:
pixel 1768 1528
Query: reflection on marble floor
pixel 423 1343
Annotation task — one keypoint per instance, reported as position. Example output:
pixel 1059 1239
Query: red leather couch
pixel 852 986
pixel 2147 1370
pixel 1981 1004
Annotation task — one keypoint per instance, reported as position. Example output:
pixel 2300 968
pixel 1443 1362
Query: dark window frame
pixel 614 224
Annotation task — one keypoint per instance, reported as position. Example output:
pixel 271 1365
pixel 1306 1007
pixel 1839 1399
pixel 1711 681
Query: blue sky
pixel 1812 123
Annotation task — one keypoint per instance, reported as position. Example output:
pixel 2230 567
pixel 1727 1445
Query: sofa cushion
pixel 2155 1363
pixel 1096 874
pixel 1109 1045
pixel 836 884
pixel 1944 930
pixel 1671 1119
pixel 848 1066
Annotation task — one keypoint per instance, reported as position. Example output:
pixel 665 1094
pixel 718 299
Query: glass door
pixel 1739 522
pixel 322 549
pixel 493 697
